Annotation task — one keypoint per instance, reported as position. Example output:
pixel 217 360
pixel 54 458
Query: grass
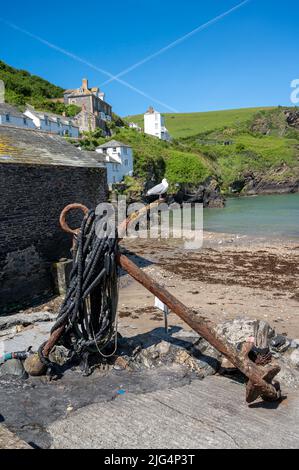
pixel 189 124
pixel 262 147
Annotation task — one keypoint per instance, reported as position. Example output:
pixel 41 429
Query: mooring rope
pixel 90 306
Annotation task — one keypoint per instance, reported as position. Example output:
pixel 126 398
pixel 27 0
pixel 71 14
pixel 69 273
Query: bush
pixel 185 168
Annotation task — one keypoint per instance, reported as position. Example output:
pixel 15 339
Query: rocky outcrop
pixel 208 194
pixel 292 118
pixel 274 183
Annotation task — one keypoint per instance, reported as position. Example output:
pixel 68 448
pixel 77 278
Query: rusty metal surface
pixel 66 210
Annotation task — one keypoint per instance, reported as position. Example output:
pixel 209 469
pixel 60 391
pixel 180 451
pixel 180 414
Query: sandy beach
pixel 230 277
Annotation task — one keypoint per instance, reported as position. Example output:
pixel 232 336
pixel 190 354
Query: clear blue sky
pixel 246 59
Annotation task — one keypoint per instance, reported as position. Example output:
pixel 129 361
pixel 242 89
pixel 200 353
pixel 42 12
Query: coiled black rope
pixel 90 306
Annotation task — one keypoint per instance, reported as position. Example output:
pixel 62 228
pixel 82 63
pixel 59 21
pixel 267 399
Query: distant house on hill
pixel 135 126
pixel 11 116
pixel 154 124
pixel 95 110
pixel 52 123
pixel 118 159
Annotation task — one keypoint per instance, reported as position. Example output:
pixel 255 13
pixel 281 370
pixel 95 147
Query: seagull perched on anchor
pixel 159 190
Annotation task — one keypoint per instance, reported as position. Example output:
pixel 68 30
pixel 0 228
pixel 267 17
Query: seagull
pixel 160 189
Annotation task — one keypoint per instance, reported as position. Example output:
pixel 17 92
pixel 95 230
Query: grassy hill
pixel 23 88
pixel 188 124
pixel 251 150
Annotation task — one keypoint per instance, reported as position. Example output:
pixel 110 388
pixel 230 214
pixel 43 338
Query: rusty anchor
pixel 260 378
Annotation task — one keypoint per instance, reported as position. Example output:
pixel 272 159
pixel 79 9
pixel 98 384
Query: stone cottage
pixel 40 174
pixel 95 111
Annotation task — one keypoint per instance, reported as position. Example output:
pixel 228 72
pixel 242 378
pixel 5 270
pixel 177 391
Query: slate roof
pixel 112 144
pixel 51 116
pixel 27 146
pixel 103 158
pixel 6 108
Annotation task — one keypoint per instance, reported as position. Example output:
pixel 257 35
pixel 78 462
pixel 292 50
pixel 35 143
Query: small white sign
pixel 159 304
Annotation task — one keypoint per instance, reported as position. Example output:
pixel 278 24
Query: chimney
pixel 85 84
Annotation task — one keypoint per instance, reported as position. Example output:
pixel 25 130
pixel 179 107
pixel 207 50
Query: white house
pixel 11 116
pixel 52 123
pixel 135 126
pixel 154 124
pixel 118 159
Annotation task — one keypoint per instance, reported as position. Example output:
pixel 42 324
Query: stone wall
pixel 31 239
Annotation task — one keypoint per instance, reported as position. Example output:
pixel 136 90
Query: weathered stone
pixel 263 334
pixel 294 358
pixel 163 348
pixel 61 273
pixel 294 344
pixel 25 319
pixel 289 375
pixel 239 330
pixel 13 367
pixel 280 344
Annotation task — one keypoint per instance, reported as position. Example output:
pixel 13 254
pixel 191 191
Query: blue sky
pixel 248 58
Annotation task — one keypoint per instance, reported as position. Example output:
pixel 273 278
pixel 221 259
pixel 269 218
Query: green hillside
pixel 247 150
pixel 187 124
pixel 153 158
pixel 23 88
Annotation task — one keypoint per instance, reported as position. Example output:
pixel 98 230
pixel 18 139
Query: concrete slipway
pixel 205 414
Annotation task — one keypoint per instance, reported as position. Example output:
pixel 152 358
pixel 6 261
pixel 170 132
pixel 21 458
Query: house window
pixel 126 162
pixel 114 149
pixel 25 121
pixel 125 151
pixel 46 121
pixel 7 117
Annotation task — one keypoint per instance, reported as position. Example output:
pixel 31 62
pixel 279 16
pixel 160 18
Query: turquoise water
pixel 265 216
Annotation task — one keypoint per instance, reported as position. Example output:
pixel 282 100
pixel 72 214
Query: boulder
pixel 238 331
pixel 13 367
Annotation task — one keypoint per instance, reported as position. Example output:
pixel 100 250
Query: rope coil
pixel 90 307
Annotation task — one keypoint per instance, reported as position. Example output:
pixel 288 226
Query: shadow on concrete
pixel 268 405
